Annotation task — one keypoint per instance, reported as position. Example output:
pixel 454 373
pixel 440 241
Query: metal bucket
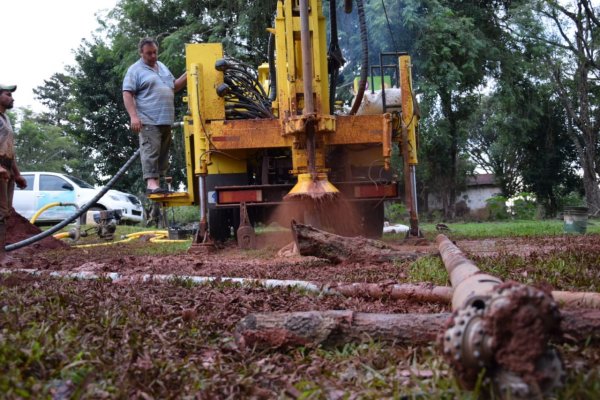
pixel 575 219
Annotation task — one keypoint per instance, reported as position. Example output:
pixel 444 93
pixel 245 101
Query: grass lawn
pixel 62 338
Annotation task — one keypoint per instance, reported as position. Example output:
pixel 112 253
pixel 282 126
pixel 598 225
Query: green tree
pixel 549 157
pixel 87 100
pixel 455 43
pixel 45 147
pixel 567 34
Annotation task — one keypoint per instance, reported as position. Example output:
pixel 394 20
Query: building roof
pixel 482 180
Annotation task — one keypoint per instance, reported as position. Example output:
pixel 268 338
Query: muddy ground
pixel 226 260
pixel 216 309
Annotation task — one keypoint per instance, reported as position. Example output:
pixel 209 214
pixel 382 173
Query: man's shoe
pixel 157 190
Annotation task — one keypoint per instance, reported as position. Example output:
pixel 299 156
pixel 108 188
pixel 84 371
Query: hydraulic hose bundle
pixel 245 98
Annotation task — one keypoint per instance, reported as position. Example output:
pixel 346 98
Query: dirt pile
pixel 19 228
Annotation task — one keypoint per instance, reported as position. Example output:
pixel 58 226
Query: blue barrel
pixel 575 219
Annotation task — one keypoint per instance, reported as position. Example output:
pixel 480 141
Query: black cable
pixel 247 103
pixel 272 70
pixel 248 107
pixel 245 97
pixel 334 55
pixel 389 26
pixel 365 61
pixel 247 76
pixel 246 80
pixel 238 114
pixel 83 209
pixel 347 6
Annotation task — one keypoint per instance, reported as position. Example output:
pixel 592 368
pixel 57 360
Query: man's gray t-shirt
pixel 153 91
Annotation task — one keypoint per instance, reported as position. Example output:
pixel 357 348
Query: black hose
pixel 334 55
pixel 272 70
pixel 83 209
pixel 244 92
pixel 365 61
pixel 347 6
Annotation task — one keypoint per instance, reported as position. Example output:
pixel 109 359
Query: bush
pixel 395 212
pixel 478 215
pixel 523 206
pixel 184 214
pixel 435 216
pixel 497 208
pixel 572 199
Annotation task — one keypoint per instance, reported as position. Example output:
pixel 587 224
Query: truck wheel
pixel 372 220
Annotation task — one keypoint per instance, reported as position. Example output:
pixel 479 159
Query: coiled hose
pixel 77 214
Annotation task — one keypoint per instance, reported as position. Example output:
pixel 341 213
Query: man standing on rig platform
pixel 148 92
pixel 9 173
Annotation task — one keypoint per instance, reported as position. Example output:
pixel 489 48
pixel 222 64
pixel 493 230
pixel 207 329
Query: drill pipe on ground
pixel 502 330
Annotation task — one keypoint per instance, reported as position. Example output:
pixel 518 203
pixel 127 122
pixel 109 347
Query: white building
pixel 480 187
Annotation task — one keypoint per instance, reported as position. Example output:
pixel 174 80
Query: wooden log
pixel 577 299
pixel 335 248
pixel 331 328
pixel 579 325
pixel 334 328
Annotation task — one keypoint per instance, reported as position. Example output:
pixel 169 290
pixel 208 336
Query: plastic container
pixel 575 219
pixel 372 103
pixel 180 233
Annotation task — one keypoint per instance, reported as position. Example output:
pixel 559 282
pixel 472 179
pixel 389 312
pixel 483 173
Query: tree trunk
pixel 449 114
pixel 334 328
pixel 335 248
pixel 585 136
pixel 590 184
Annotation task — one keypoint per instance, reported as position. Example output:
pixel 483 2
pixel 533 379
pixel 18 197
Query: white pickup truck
pixel 49 187
pixel 394 228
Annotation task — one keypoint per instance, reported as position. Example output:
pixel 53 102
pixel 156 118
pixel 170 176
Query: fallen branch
pixel 334 328
pixel 443 294
pixel 331 328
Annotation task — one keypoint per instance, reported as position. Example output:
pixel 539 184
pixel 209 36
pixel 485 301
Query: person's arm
pixel 129 101
pixel 19 180
pixel 180 82
pixel 4 174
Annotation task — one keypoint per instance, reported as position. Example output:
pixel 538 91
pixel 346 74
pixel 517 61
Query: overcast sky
pixel 38 39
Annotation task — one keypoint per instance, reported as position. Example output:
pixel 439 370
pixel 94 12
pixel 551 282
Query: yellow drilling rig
pixel 259 140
